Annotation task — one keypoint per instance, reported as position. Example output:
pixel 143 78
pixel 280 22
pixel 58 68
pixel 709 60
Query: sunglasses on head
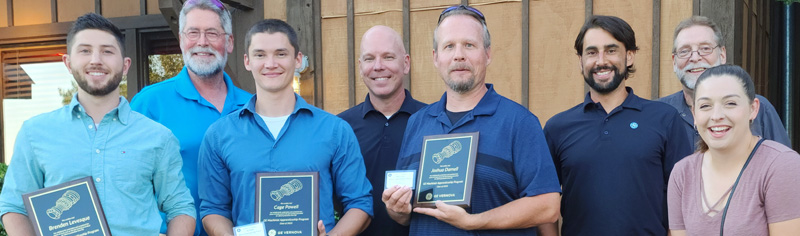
pixel 460 7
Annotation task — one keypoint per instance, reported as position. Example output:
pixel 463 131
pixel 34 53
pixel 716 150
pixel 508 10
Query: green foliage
pixel 3 168
pixel 163 67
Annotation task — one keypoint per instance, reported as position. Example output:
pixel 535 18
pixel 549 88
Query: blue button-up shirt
pixel 767 123
pixel 614 166
pixel 513 161
pixel 239 145
pixel 134 162
pixel 176 104
pixel 380 140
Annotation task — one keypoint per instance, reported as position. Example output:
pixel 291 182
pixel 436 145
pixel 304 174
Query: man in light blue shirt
pixel 133 161
pixel 278 131
pixel 201 93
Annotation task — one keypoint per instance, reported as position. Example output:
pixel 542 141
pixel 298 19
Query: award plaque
pixel 70 208
pixel 446 168
pixel 288 202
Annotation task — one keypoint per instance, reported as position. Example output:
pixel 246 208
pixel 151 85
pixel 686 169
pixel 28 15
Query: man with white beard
pixel 201 93
pixel 697 46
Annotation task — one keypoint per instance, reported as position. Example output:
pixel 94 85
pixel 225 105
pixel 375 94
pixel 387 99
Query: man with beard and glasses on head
pixel 133 161
pixel 697 46
pixel 201 93
pixel 515 187
pixel 613 152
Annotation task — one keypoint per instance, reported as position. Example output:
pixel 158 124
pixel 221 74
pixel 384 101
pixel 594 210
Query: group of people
pixel 616 164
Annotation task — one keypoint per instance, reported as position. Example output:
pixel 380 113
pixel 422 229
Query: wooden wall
pixel 554 80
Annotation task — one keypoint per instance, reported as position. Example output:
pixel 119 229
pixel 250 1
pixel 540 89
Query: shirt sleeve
pixel 533 164
pixel 676 145
pixel 23 176
pixel 173 196
pixel 349 173
pixel 214 191
pixel 674 197
pixel 771 125
pixel 552 142
pixel 782 188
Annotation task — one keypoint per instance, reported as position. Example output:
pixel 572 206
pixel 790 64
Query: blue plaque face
pixel 287 202
pixel 446 169
pixel 70 208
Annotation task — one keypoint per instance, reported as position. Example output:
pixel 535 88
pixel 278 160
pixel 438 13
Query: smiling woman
pixel 737 182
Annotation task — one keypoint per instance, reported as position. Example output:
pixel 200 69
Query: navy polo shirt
pixel 512 162
pixel 380 140
pixel 614 167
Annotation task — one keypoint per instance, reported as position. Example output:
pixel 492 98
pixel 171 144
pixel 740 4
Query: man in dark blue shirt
pixel 380 121
pixel 613 152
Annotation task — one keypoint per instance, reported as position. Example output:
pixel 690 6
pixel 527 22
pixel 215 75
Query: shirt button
pixel 114 119
pixel 97 151
pixel 606 120
pixel 97 179
pixel 683 114
pixel 387 124
pixel 90 126
pixel 79 116
pixel 605 132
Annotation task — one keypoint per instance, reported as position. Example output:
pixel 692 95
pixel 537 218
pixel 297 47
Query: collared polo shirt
pixel 513 161
pixel 614 167
pixel 134 162
pixel 176 104
pixel 380 140
pixel 240 145
pixel 767 123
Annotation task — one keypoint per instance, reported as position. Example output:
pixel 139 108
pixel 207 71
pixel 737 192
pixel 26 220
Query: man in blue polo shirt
pixel 380 121
pixel 697 46
pixel 201 93
pixel 515 187
pixel 613 152
pixel 278 131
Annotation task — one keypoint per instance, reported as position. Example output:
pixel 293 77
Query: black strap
pixel 725 212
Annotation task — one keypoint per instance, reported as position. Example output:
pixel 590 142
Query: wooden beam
pixel 588 12
pixel 142 7
pixel 318 81
pixel 525 60
pixel 170 10
pixel 53 11
pixel 10 12
pixel 98 7
pixel 656 50
pixel 351 54
pixel 407 38
pixel 135 74
pixel 464 2
pixel 56 31
pixel 242 21
pixel 245 5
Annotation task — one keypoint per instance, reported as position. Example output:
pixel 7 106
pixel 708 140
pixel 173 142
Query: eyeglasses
pixel 462 7
pixel 211 35
pixel 215 2
pixel 686 52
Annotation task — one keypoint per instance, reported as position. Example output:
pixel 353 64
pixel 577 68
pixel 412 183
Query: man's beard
pixel 205 69
pixel 109 87
pixel 608 88
pixel 686 79
pixel 461 86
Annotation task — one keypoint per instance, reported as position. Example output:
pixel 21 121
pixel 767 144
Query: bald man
pixel 380 121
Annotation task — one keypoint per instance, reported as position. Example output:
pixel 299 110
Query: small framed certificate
pixel 446 169
pixel 400 178
pixel 288 202
pixel 70 208
pixel 254 229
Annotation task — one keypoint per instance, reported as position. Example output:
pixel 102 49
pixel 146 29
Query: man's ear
pixel 65 58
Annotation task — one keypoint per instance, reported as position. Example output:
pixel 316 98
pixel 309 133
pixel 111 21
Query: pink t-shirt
pixel 768 192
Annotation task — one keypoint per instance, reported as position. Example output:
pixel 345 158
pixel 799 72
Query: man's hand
pixel 321 228
pixel 398 203
pixel 453 215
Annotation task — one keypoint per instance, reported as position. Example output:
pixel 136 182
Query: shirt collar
pixel 631 101
pixel 185 87
pixel 486 106
pixel 299 105
pixel 407 106
pixel 122 112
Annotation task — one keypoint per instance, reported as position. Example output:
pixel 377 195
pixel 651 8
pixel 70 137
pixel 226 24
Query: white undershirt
pixel 274 124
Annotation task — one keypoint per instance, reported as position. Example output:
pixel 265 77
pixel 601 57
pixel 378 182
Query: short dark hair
pixel 615 26
pixel 98 22
pixel 273 26
pixel 736 72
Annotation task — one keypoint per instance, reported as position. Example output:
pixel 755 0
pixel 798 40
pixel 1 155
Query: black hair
pixel 615 26
pixel 98 22
pixel 273 26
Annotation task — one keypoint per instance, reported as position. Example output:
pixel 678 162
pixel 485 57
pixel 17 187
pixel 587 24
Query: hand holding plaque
pixel 66 209
pixel 446 169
